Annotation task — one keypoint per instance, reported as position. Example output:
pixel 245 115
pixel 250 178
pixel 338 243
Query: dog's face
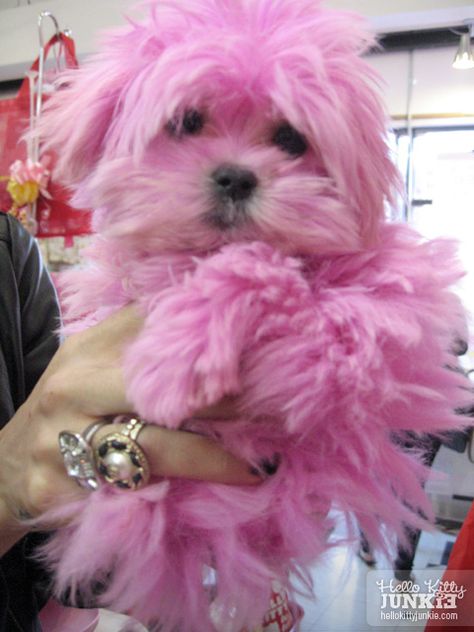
pixel 223 120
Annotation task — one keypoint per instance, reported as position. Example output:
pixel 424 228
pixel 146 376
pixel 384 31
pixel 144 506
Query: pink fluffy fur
pixel 331 327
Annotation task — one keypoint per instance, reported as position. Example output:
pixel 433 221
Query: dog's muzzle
pixel 232 188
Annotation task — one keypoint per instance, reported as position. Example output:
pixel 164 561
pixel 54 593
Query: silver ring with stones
pixel 120 460
pixel 79 457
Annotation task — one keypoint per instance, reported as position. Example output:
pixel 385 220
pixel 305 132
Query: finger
pixel 100 392
pixel 174 453
pixel 225 410
pixel 187 455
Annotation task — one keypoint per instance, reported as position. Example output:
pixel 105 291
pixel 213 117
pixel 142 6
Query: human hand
pixel 84 384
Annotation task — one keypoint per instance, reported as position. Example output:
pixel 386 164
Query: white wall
pixel 438 89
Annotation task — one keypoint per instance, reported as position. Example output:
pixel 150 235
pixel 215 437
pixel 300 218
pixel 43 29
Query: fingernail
pixel 270 466
pixel 266 467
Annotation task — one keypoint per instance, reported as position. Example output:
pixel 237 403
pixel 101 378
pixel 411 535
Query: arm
pixel 82 384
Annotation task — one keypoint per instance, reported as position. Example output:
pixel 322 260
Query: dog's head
pixel 223 120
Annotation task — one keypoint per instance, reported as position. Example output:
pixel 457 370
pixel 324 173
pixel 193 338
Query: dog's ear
pixel 86 119
pixel 76 119
pixel 357 128
pixel 331 92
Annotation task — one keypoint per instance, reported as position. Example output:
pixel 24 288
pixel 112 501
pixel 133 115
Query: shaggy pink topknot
pixel 332 327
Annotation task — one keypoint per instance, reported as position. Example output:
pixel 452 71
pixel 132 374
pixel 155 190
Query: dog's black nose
pixel 234 183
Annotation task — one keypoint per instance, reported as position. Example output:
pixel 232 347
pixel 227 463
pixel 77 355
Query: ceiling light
pixel 464 57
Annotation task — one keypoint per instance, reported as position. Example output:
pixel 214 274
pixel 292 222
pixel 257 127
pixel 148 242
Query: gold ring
pixel 120 460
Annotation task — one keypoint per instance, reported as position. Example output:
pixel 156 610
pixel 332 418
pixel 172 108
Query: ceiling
pixel 368 7
pixel 376 7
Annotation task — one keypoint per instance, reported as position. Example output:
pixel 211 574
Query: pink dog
pixel 234 153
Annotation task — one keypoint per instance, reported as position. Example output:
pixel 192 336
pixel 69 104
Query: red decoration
pixel 55 217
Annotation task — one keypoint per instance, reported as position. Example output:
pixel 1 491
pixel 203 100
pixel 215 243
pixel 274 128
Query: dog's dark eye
pixel 190 124
pixel 193 122
pixel 290 140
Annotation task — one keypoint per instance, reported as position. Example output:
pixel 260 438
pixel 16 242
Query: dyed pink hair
pixel 288 60
pixel 332 327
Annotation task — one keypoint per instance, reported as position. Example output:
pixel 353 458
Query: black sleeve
pixel 38 304
pixel 28 316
